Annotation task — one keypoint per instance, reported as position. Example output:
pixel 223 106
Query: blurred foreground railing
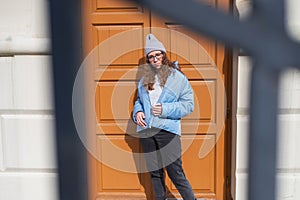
pixel 263 36
pixel 66 50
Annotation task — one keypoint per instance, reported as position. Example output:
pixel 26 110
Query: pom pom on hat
pixel 153 44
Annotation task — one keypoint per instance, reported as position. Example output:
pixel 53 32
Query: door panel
pixel 117 75
pixel 116 6
pixel 104 32
pixel 122 181
pixel 201 178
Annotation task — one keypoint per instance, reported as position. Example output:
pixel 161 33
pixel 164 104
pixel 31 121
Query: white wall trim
pixel 25 46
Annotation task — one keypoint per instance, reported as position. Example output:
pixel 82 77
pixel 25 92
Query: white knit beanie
pixel 153 44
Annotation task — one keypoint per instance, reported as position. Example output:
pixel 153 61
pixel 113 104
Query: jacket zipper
pixel 150 121
pixel 151 117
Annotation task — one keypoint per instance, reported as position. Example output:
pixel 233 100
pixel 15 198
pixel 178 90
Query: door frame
pixel 230 81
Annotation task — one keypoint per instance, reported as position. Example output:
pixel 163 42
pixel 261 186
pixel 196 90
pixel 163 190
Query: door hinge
pixel 228 113
pixel 227 181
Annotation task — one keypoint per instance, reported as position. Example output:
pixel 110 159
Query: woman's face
pixel 155 58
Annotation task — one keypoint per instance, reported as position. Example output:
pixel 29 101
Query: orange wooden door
pixel 201 60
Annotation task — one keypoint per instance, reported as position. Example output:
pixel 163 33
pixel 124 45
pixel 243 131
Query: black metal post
pixel 264 106
pixel 263 133
pixel 66 48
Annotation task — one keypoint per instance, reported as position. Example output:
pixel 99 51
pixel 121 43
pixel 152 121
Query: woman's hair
pixel 163 72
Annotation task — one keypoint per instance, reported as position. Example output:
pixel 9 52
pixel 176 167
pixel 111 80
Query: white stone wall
pixel 27 143
pixel 288 167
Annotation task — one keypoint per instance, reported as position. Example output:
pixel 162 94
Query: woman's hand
pixel 140 119
pixel 157 109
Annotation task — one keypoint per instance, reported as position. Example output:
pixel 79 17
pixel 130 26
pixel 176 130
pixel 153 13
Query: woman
pixel 164 97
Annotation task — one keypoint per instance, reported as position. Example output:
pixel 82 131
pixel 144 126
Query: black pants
pixel 162 149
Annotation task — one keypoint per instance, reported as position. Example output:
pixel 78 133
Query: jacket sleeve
pixel 138 105
pixel 137 108
pixel 184 106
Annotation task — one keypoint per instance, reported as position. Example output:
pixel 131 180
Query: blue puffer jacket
pixel 177 99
